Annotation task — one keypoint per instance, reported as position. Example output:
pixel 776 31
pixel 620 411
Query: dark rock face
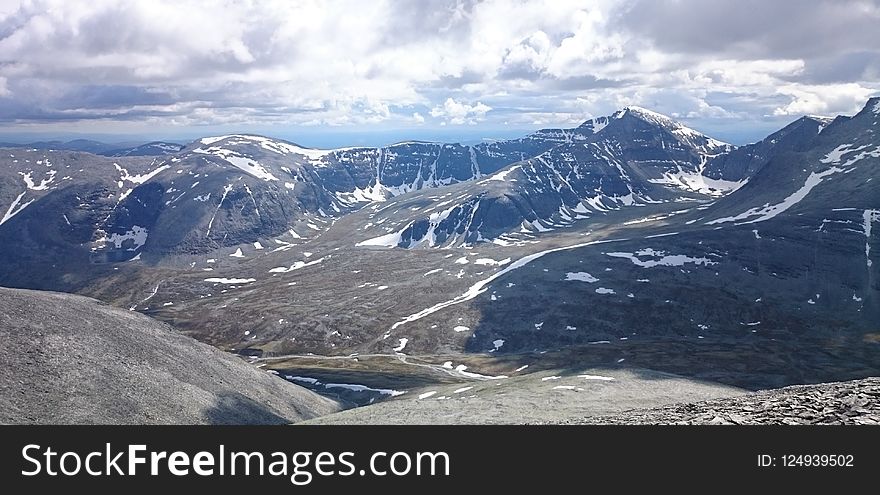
pixel 57 207
pixel 743 162
pixel 829 170
pixel 382 173
pixel 632 158
pixel 842 403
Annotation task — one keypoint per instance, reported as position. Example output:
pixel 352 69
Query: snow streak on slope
pixel 17 206
pixel 769 211
pixel 226 190
pixel 230 280
pixel 869 216
pixel 238 160
pixel 125 176
pixel 15 209
pixel 481 286
pixel 596 124
pixel 296 266
pixel 834 157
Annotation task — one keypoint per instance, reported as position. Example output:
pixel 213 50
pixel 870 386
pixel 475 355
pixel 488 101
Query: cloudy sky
pixel 329 72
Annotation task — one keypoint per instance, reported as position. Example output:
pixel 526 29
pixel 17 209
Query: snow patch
pixel 664 259
pixel 402 344
pixel 44 183
pixel 138 179
pixel 230 280
pixel 295 266
pixel 239 161
pixel 694 181
pixel 868 217
pixel 580 277
pixel 502 175
pixel 461 371
pixel 490 262
pixel 768 211
pixel 137 235
pixel 388 240
pixel 597 377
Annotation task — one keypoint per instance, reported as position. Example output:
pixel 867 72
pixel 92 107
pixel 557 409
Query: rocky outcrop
pixel 839 403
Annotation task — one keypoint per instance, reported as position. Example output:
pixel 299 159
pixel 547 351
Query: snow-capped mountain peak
pixel 651 115
pixel 681 132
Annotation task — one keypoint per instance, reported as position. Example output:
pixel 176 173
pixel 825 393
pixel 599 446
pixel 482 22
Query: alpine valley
pixel 629 262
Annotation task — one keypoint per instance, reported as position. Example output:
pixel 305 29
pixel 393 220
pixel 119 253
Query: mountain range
pixel 630 241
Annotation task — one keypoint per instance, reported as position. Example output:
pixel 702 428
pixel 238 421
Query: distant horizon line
pixel 320 137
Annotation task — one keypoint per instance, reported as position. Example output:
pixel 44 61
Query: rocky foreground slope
pixel 852 402
pixel 69 359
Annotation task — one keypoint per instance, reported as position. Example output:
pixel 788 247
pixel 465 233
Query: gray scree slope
pixel 70 359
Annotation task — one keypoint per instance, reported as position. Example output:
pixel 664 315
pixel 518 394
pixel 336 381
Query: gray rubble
pixel 840 403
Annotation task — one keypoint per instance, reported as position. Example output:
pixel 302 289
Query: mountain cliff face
pixel 239 189
pixel 632 158
pixel 743 162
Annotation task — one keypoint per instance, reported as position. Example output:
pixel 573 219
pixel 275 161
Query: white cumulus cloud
pixel 456 112
pixel 171 64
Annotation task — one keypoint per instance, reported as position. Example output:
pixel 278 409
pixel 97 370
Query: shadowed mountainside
pixel 71 360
